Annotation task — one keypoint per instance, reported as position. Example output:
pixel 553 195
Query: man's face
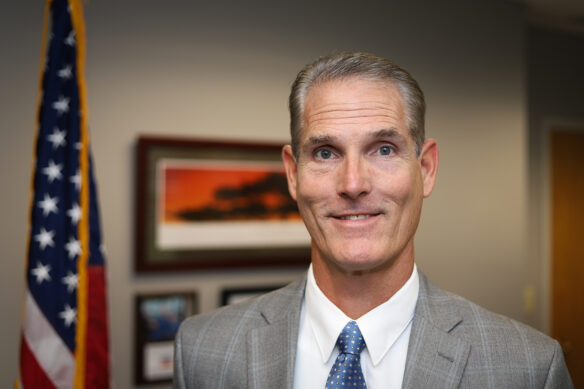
pixel 357 180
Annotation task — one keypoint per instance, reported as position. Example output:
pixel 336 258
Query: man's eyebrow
pixel 387 133
pixel 318 140
pixel 391 132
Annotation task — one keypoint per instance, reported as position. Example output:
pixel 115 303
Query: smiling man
pixel 359 168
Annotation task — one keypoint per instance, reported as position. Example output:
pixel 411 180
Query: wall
pixel 195 69
pixel 556 98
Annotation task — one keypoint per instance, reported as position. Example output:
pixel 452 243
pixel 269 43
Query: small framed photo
pixel 235 295
pixel 213 204
pixel 157 318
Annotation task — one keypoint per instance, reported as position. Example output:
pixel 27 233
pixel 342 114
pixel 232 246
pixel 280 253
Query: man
pixel 359 168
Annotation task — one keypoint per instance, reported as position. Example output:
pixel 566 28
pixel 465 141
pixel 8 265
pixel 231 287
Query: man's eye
pixel 324 154
pixel 386 150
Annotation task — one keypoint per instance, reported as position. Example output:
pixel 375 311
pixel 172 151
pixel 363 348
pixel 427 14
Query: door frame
pixel 543 212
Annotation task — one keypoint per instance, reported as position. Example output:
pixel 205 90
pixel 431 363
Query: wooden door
pixel 567 169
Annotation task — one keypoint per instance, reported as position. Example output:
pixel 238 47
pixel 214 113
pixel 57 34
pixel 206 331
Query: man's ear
pixel 291 169
pixel 429 157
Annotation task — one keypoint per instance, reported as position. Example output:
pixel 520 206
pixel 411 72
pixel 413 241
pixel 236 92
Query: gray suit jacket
pixel 453 343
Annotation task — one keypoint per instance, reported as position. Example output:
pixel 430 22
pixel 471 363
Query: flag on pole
pixel 65 342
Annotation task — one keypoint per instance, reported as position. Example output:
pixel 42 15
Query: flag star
pixel 65 73
pixel 76 179
pixel 49 204
pixel 69 315
pixel 73 247
pixel 41 272
pixel 70 40
pixel 57 138
pixel 61 105
pixel 74 213
pixel 45 238
pixel 53 171
pixel 78 146
pixel 71 280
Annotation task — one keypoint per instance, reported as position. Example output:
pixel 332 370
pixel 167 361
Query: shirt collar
pixel 380 327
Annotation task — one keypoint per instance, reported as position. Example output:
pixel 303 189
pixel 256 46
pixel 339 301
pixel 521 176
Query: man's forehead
pixel 352 98
pixel 366 104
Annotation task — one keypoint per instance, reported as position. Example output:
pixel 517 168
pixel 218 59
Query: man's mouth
pixel 357 217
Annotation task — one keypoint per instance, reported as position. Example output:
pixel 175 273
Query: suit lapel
pixel 436 358
pixel 271 349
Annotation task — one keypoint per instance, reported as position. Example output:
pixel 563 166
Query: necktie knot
pixel 346 373
pixel 350 340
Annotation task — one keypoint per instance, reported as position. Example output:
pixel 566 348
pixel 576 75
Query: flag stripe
pixel 46 344
pixel 97 372
pixel 37 377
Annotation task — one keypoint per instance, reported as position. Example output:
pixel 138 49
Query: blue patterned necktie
pixel 346 372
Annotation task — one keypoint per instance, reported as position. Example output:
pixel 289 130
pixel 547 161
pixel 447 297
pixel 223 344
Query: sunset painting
pixel 212 193
pixel 243 200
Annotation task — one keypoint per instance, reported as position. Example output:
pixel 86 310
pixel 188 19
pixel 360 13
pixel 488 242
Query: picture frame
pixel 235 295
pixel 157 318
pixel 204 204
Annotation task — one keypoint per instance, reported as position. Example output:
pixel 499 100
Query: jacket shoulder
pixel 502 350
pixel 475 323
pixel 209 345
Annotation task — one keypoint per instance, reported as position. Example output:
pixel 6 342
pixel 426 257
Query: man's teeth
pixel 355 217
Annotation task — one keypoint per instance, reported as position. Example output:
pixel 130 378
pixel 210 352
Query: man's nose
pixel 354 179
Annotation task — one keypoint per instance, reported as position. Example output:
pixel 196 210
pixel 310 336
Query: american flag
pixel 65 341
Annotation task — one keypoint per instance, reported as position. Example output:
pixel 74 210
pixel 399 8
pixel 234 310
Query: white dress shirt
pixel 386 330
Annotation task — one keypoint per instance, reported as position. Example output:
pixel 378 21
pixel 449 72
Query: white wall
pixel 193 69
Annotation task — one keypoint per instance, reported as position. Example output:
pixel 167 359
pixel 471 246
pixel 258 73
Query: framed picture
pixel 236 295
pixel 210 204
pixel 157 318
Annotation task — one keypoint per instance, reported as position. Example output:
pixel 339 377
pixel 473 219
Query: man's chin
pixel 360 263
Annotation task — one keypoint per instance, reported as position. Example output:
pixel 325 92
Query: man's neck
pixel 358 292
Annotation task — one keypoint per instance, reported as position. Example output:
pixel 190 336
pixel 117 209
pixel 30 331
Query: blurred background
pixel 500 78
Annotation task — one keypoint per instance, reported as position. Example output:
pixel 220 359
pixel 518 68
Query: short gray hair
pixel 360 65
